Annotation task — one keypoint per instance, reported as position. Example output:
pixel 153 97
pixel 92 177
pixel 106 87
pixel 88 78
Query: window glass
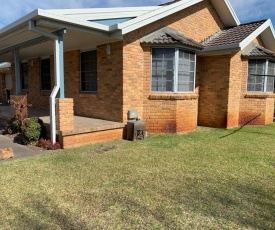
pixel 45 74
pixel 164 75
pixel 24 76
pixel 163 64
pixel 259 79
pixel 89 71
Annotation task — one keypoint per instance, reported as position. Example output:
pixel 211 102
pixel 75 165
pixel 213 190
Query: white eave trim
pixel 104 13
pixel 74 21
pixel 152 16
pixel 257 32
pixel 44 14
pixel 234 15
pixel 18 22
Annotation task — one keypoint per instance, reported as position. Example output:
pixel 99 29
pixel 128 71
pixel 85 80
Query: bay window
pixel 261 75
pixel 173 70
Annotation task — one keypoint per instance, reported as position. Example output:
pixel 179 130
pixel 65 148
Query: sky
pixel 246 10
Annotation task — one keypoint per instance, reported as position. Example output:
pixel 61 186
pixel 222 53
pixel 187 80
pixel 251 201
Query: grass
pixel 210 179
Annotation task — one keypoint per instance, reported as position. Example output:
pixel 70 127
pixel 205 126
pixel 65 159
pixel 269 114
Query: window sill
pixel 45 92
pixel 189 96
pixel 88 94
pixel 259 95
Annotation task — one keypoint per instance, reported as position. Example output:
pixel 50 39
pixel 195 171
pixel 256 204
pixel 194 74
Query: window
pixel 89 71
pixel 45 74
pixel 261 75
pixel 24 76
pixel 173 70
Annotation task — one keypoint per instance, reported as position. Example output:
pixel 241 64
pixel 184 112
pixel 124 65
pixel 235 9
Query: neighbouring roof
pixel 5 65
pixel 232 35
pixel 257 51
pixel 167 36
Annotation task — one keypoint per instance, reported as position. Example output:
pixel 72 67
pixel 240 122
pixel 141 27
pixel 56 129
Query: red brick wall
pixel 107 102
pixel 213 76
pixel 36 97
pixel 235 89
pixel 90 138
pixel 177 114
pixel 255 108
pixel 259 41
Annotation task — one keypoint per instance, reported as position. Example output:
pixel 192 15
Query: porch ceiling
pixel 72 40
pixel 82 35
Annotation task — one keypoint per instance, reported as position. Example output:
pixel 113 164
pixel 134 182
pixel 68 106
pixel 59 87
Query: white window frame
pixel 265 77
pixel 176 68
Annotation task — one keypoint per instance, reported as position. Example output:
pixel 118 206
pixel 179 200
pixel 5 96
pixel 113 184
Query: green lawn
pixel 210 179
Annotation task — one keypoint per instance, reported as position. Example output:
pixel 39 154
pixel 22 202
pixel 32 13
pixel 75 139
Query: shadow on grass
pixel 241 204
pixel 237 130
pixel 42 213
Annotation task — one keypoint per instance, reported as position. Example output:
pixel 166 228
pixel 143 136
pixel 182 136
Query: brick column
pixel 64 114
pixel 14 109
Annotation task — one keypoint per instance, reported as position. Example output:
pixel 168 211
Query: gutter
pixel 57 76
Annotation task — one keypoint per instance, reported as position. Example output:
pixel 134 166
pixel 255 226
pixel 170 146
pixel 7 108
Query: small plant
pixel 20 107
pixel 13 126
pixel 47 144
pixel 32 130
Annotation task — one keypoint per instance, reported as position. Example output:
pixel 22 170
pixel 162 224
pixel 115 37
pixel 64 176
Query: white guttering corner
pixel 56 88
pixel 152 16
pixel 256 33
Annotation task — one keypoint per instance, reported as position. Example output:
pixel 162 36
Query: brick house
pixel 180 65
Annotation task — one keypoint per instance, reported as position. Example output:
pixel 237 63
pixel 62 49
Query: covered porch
pixel 86 130
pixel 60 40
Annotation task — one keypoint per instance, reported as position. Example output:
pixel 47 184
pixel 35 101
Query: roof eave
pixel 225 49
pixel 226 12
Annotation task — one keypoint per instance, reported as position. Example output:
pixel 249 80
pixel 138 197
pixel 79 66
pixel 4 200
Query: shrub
pixel 13 126
pixel 47 144
pixel 32 130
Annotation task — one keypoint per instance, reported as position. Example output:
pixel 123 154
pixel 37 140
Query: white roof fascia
pixel 232 12
pixel 226 12
pixel 256 33
pixel 74 21
pixel 105 13
pixel 150 17
pixel 18 22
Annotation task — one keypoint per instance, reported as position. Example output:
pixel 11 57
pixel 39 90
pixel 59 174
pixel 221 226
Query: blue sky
pixel 246 10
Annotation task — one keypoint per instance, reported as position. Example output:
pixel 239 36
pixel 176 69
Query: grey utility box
pixel 136 130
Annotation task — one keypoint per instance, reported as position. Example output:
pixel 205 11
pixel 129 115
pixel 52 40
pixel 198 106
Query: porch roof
pixel 87 28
